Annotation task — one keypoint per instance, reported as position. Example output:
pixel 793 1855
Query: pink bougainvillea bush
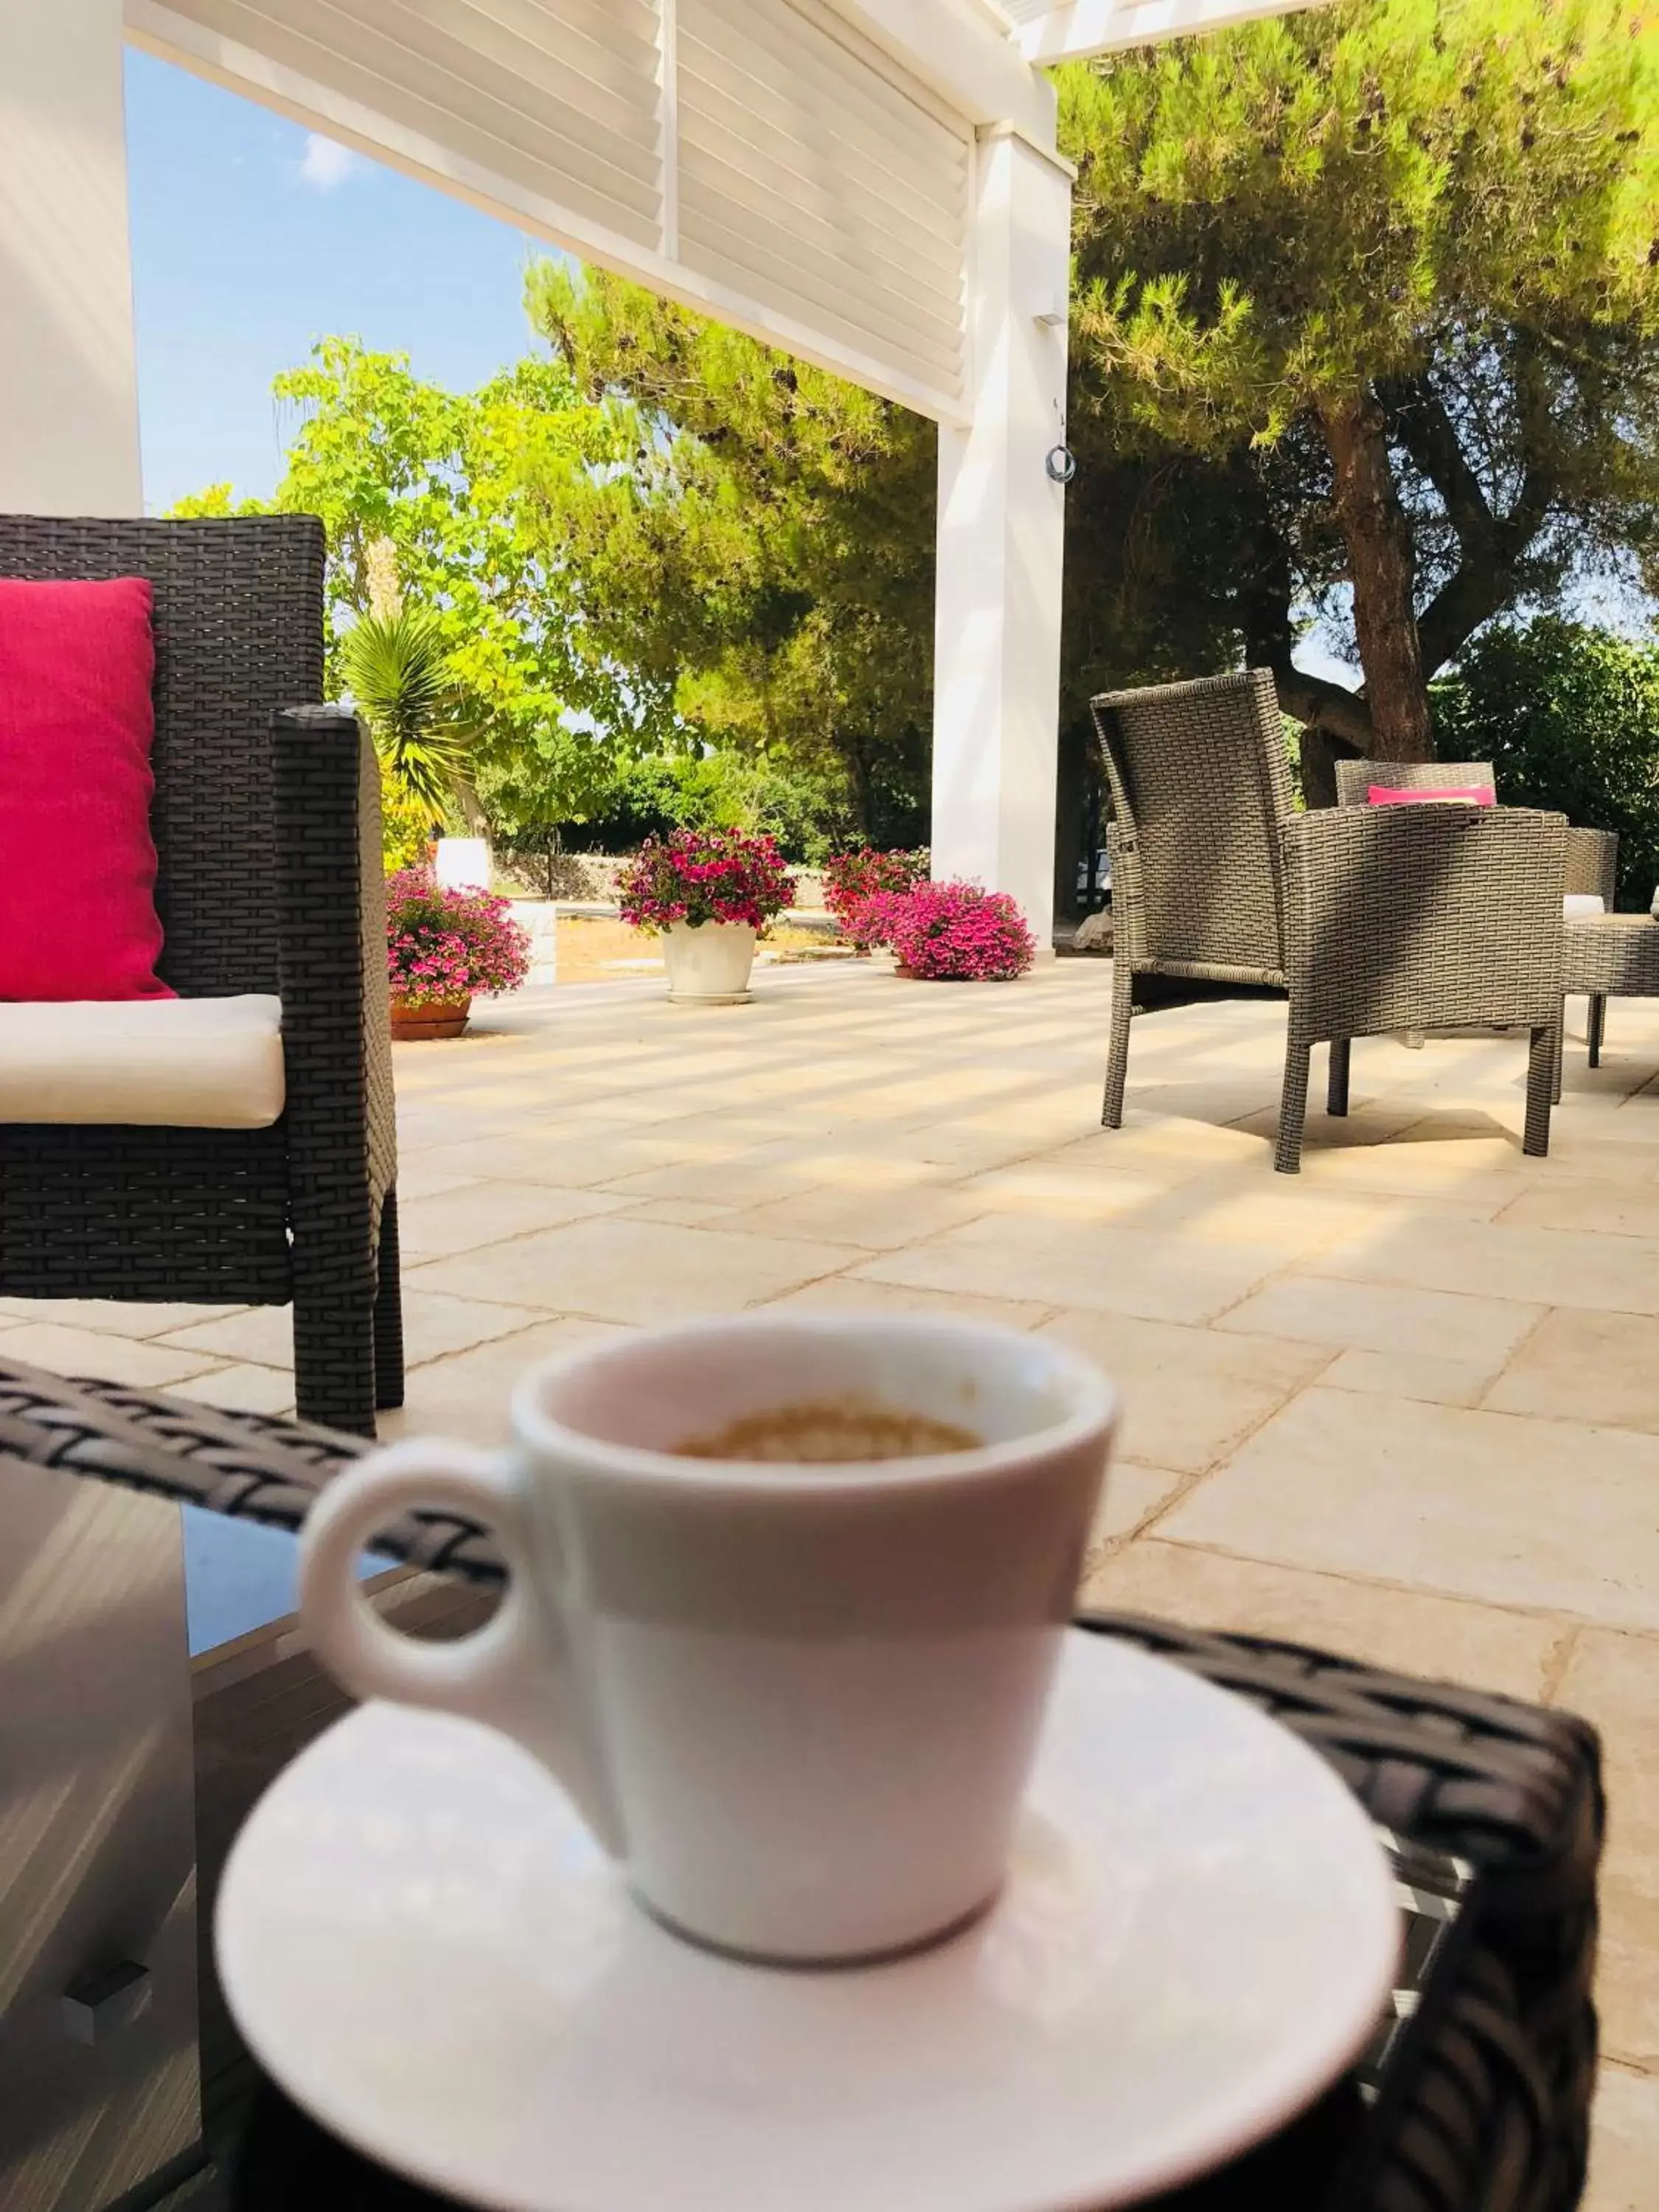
pixel 445 945
pixel 956 932
pixel 858 885
pixel 705 875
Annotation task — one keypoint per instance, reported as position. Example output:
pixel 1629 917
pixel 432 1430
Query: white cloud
pixel 324 165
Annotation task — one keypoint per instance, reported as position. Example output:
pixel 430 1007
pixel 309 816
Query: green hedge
pixel 1569 717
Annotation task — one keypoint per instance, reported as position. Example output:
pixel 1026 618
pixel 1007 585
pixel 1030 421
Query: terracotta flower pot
pixel 433 1017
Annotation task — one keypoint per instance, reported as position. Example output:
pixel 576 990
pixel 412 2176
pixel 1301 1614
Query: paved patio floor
pixel 1405 1405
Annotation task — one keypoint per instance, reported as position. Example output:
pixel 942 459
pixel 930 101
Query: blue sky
pixel 250 237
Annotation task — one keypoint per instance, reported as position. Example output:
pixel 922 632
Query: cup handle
pixel 515 1674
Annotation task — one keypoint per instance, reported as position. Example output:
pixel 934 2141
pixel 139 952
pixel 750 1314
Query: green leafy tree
pixel 436 484
pixel 1569 717
pixel 764 548
pixel 1367 305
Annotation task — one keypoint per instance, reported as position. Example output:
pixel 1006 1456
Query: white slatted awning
pixel 770 161
pixel 1073 30
pixel 803 169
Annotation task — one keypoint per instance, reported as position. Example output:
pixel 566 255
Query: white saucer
pixel 422 1945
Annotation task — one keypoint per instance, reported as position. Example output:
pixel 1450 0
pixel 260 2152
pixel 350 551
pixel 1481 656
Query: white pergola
pixel 873 184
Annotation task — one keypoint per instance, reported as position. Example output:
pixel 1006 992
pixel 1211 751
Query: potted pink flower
pixel 444 945
pixel 859 888
pixel 957 933
pixel 708 893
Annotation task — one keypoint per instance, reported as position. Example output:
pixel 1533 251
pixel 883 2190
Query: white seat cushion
pixel 1582 906
pixel 171 1063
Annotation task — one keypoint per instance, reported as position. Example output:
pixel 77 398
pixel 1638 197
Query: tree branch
pixel 1417 417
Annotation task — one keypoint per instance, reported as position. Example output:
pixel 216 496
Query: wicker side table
pixel 1608 956
pixel 1487 2109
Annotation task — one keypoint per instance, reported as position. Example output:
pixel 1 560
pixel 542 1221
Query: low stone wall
pixel 586 878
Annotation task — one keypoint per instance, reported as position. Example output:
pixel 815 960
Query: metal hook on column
pixel 1059 462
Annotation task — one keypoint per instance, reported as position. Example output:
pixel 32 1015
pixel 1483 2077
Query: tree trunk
pixel 1380 556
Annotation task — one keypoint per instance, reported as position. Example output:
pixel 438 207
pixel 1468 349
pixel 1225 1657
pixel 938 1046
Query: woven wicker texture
pixel 1614 955
pixel 1592 855
pixel 1496 2117
pixel 1371 920
pixel 270 875
pixel 1354 778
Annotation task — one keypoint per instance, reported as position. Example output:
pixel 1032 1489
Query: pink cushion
pixel 77 863
pixel 1469 794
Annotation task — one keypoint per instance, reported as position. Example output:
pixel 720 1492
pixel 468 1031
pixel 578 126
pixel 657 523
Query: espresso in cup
pixel 785 1601
pixel 830 1433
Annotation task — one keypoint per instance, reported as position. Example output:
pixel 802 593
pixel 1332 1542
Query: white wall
pixel 69 405
pixel 1001 529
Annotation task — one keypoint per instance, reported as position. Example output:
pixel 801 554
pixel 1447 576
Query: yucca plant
pixel 396 666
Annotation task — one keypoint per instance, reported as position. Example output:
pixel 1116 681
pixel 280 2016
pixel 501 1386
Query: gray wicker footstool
pixel 1609 955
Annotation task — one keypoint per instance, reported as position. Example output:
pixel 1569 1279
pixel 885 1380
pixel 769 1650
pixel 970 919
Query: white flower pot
pixel 462 864
pixel 708 962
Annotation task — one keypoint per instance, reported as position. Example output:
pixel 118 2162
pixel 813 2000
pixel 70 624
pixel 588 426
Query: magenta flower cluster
pixel 956 932
pixel 856 885
pixel 446 945
pixel 705 875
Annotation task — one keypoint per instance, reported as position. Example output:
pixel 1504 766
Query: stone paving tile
pixel 110 1316
pixel 1409 1375
pixel 683 1212
pixel 856 1293
pixel 1624 2142
pixel 1379 1317
pixel 617 1269
pixel 1584 1366
pixel 433 1325
pixel 1614 1681
pixel 469 1393
pixel 241 1387
pixel 1132 1494
pixel 876 1221
pixel 1547 1266
pixel 484 1213
pixel 1405 1629
pixel 1166 1278
pixel 1550 1515
pixel 1610 1209
pixel 1189 1395
pixel 111 1357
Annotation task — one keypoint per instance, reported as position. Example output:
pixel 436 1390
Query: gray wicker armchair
pixel 1592 855
pixel 266 821
pixel 1368 921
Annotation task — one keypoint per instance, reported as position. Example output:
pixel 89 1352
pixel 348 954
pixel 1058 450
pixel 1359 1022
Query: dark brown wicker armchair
pixel 1368 921
pixel 266 821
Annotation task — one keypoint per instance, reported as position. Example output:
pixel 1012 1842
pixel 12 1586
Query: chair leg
pixel 334 1329
pixel 1558 1053
pixel 1293 1103
pixel 1541 1088
pixel 1598 1015
pixel 1336 1089
pixel 388 1311
pixel 1117 1052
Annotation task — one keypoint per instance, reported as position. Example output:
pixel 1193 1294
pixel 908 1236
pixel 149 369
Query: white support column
pixel 69 394
pixel 1001 525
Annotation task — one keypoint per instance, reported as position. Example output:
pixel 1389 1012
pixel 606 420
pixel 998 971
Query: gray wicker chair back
pixel 239 631
pixel 1354 778
pixel 1200 784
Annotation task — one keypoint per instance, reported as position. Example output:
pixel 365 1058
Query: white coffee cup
pixel 796 1702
